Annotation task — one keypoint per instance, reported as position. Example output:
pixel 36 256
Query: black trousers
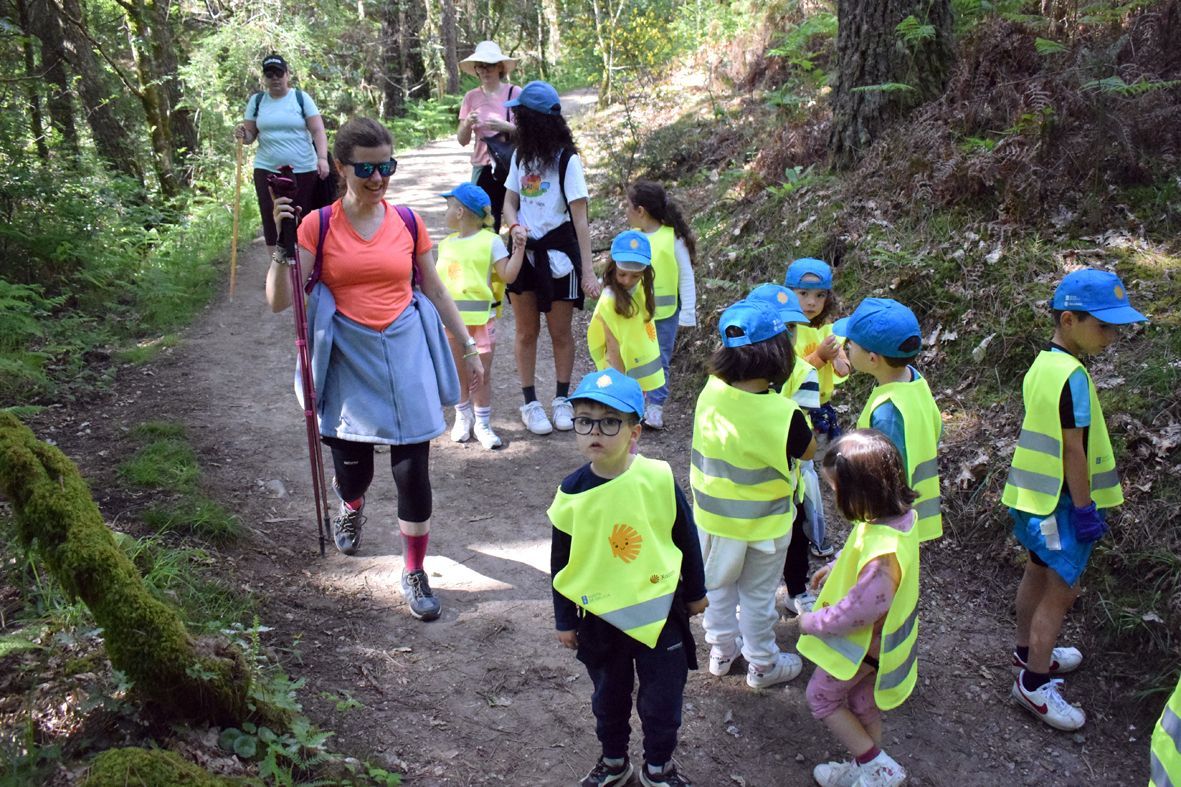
pixel 795 567
pixel 410 464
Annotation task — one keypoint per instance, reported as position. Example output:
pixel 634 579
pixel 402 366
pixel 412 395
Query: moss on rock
pixel 134 767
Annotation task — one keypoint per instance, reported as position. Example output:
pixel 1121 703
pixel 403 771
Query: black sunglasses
pixel 273 72
pixel 365 169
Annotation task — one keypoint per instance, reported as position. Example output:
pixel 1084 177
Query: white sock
pixel 464 407
pixel 613 762
pixel 483 415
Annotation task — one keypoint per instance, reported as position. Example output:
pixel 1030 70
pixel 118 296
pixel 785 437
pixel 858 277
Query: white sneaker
pixel 801 603
pixel 483 432
pixel 654 416
pixel 836 774
pixel 1047 704
pixel 534 418
pixel 881 771
pixel 1061 660
pixel 785 667
pixel 461 431
pixel 719 662
pixel 563 414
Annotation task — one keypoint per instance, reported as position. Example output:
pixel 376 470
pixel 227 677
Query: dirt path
pixel 485 695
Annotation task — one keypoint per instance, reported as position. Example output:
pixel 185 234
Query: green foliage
pixel 912 32
pixel 885 87
pixel 1116 85
pixel 1045 46
pixel 167 464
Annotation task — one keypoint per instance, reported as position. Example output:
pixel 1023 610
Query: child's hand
pixel 821 575
pixel 569 639
pixel 828 348
pixel 698 606
pixel 520 234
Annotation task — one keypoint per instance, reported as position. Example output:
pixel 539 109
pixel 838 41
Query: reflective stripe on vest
pixel 636 336
pixel 922 424
pixel 465 266
pixel 843 656
pixel 667 279
pixel 623 565
pixel 1165 754
pixel 1035 482
pixel 807 339
pixel 742 483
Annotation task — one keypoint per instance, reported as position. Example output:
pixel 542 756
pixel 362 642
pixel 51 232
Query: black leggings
pixel 353 462
pixel 795 568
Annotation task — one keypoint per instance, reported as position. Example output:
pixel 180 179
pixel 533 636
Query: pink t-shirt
pixel 486 107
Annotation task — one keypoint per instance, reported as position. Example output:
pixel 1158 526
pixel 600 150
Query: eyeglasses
pixel 365 169
pixel 608 427
pixel 480 66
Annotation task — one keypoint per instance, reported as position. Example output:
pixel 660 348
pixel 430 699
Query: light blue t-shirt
pixel 283 136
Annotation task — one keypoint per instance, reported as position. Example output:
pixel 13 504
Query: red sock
pixel 868 756
pixel 414 550
pixel 355 505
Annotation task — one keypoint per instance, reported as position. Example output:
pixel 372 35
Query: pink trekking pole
pixel 283 185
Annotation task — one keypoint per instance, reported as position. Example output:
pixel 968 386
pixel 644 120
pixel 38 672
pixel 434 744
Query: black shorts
pixel 1037 561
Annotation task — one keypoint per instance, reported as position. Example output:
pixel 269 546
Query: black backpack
pixel 326 190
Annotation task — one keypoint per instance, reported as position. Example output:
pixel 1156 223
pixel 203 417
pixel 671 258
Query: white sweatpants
pixel 743 574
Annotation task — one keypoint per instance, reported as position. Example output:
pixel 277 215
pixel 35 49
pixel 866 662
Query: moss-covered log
pixel 134 767
pixel 144 637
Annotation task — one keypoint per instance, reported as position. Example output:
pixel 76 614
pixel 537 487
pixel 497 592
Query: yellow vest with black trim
pixel 623 567
pixel 1164 757
pixel 465 266
pixel 636 336
pixel 842 656
pixel 743 483
pixel 668 275
pixel 922 425
pixel 1036 477
pixel 806 341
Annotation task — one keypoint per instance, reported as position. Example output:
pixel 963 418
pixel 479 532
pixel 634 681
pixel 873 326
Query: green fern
pixel 1045 46
pixel 885 87
pixel 913 32
pixel 1116 85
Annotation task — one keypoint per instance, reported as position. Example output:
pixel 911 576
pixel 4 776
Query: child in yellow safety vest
pixel 747 441
pixel 653 212
pixel 627 577
pixel 1164 758
pixel 811 280
pixel 621 333
pixel 474 265
pixel 862 635
pixel 1062 477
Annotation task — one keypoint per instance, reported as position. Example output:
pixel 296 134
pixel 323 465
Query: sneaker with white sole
pixel 668 777
pixel 563 414
pixel 721 660
pixel 1047 704
pixel 483 432
pixel 533 416
pixel 461 430
pixel 424 605
pixel 346 528
pixel 603 775
pixel 801 603
pixel 822 550
pixel 836 774
pixel 882 771
pixel 785 667
pixel 654 416
pixel 1061 660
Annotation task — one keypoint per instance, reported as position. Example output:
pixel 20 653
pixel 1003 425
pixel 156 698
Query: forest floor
pixel 486 695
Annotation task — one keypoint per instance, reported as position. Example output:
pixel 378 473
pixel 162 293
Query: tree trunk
pixel 154 99
pixel 551 36
pixel 47 27
pixel 393 58
pixel 875 60
pixel 32 95
pixel 450 57
pixel 164 48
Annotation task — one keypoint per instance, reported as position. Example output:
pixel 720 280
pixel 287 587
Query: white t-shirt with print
pixel 542 207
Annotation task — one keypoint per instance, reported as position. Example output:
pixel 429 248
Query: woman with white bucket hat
pixel 482 114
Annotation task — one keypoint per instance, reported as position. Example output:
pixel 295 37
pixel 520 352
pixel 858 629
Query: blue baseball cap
pixel 808 266
pixel 1099 293
pixel 882 326
pixel 785 302
pixel 758 321
pixel 612 388
pixel 631 251
pixel 538 96
pixel 471 197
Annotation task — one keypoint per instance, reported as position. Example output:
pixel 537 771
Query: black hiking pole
pixel 283 185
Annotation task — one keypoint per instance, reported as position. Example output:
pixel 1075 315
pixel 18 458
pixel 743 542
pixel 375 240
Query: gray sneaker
pixel 346 528
pixel 417 592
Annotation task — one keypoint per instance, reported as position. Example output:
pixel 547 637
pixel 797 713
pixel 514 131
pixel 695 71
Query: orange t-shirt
pixel 370 279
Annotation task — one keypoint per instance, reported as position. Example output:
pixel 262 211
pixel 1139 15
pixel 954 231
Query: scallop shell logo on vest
pixel 625 543
pixel 604 381
pixel 1119 293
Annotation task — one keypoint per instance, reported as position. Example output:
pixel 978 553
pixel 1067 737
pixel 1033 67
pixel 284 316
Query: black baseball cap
pixel 274 63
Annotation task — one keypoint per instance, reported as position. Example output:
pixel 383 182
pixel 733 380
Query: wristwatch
pixel 278 257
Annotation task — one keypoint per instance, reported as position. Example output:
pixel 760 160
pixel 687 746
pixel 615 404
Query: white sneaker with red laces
pixel 1047 704
pixel 1062 660
pixel 881 771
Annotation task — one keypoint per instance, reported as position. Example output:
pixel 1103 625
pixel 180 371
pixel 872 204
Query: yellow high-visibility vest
pixel 743 484
pixel 842 656
pixel 465 266
pixel 1164 758
pixel 623 564
pixel 636 336
pixel 922 424
pixel 1035 481
pixel 806 341
pixel 668 276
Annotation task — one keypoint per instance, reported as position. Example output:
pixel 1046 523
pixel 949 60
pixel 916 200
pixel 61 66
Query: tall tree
pixel 394 56
pixel 32 79
pixel 450 58
pixel 46 25
pixel 891 56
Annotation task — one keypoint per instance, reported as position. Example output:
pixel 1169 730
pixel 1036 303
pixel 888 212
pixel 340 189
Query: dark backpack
pixel 408 219
pixel 501 149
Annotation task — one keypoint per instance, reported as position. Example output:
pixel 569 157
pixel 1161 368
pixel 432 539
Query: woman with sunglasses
pixel 482 114
pixel 380 362
pixel 289 130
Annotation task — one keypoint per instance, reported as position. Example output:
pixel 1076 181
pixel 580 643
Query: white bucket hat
pixel 487 52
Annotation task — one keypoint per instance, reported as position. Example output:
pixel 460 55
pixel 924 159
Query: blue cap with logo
pixel 784 301
pixel 1099 293
pixel 756 321
pixel 471 197
pixel 631 250
pixel 882 326
pixel 613 389
pixel 809 266
pixel 538 96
